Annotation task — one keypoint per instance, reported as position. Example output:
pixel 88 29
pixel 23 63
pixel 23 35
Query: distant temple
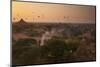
pixel 21 21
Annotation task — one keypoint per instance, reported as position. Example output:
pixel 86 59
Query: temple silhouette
pixel 22 21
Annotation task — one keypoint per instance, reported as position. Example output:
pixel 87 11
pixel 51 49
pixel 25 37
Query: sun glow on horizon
pixel 43 12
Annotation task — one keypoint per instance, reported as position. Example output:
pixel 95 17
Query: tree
pixel 54 48
pixel 58 50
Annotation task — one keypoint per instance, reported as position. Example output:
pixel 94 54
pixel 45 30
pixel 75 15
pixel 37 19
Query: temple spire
pixel 21 20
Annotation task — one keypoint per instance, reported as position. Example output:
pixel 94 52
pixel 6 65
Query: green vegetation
pixel 55 50
pixel 25 42
pixel 65 41
pixel 59 49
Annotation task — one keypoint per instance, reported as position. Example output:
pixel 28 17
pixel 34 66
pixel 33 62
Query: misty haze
pixel 52 33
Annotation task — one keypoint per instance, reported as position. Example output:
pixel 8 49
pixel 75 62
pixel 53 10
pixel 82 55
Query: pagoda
pixel 21 21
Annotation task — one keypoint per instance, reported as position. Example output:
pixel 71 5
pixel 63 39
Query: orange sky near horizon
pixel 44 12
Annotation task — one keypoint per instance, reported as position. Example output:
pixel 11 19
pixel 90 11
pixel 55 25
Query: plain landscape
pixel 44 43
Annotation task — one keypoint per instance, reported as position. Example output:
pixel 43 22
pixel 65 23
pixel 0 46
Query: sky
pixel 44 12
